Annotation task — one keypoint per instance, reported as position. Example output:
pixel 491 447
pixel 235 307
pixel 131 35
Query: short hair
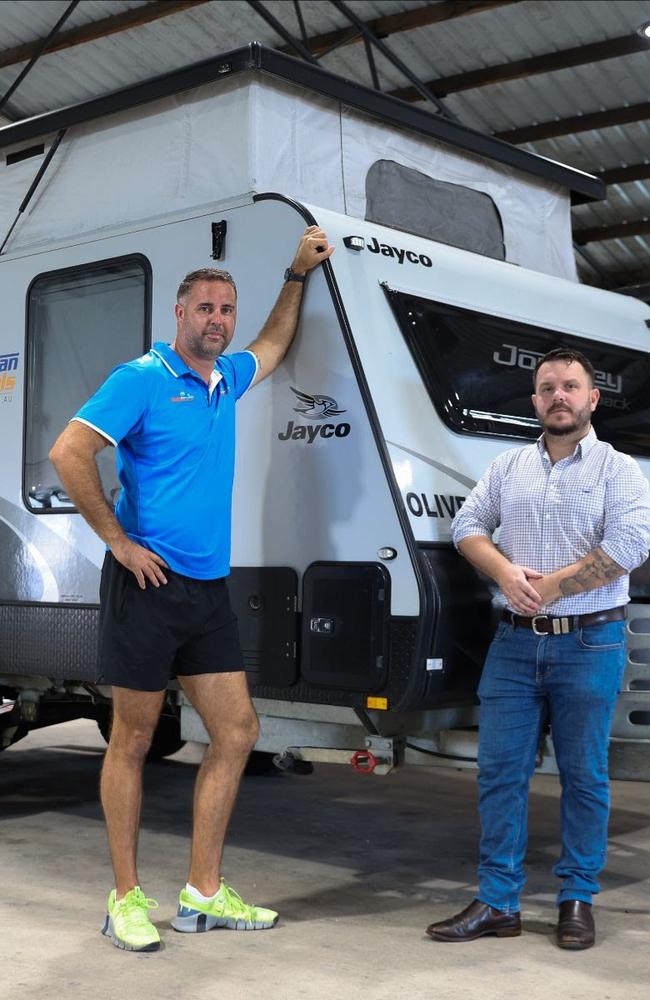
pixel 567 354
pixel 203 274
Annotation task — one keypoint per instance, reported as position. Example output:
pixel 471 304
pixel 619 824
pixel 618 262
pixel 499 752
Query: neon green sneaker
pixel 127 923
pixel 227 909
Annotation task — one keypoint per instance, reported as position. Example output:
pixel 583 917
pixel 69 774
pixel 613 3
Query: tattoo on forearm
pixel 596 572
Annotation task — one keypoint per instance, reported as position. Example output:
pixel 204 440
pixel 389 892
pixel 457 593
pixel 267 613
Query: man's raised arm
pixel 274 339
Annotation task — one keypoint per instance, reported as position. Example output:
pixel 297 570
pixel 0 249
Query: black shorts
pixel 147 637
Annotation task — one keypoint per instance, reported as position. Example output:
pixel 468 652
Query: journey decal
pixel 516 357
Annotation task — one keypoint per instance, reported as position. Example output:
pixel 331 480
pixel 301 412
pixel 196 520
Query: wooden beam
pixel 640 291
pixel 406 20
pixel 624 175
pixel 632 277
pixel 100 29
pixel 640 288
pixel 619 231
pixel 613 280
pixel 550 62
pixel 577 123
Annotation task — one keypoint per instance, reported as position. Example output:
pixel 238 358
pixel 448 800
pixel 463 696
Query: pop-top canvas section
pixel 227 140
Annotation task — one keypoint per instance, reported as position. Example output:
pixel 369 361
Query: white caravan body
pixel 363 631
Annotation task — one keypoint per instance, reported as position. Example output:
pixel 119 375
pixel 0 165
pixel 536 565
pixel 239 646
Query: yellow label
pixel 381 703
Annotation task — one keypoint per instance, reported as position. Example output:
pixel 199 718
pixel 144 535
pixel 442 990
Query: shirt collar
pixel 174 363
pixel 581 450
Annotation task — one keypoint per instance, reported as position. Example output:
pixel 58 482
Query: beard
pixel 201 347
pixel 581 420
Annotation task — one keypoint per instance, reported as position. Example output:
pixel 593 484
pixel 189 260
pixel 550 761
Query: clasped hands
pixel 526 590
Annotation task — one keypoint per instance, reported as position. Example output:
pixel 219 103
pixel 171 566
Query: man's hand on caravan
pixel 312 250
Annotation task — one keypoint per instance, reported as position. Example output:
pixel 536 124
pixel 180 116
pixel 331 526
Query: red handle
pixel 363 761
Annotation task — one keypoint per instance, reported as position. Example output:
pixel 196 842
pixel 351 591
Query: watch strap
pixel 290 275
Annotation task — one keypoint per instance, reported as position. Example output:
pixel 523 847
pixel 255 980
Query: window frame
pixel 62 272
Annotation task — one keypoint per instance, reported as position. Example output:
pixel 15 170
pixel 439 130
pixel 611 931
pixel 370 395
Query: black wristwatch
pixel 290 275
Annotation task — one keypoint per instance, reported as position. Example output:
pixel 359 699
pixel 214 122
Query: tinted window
pixel 478 371
pixel 81 323
pixel 413 202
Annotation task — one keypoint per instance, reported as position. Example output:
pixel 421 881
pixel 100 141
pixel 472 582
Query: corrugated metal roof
pixel 135 54
pixel 29 20
pixel 498 35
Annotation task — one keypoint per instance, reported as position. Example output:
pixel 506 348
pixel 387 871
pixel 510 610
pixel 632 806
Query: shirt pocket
pixel 581 514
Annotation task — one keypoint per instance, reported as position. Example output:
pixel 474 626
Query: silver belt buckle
pixel 533 622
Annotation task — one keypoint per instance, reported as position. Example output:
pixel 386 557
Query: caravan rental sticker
pixel 8 365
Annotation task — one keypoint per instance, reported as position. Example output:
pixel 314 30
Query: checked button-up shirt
pixel 550 516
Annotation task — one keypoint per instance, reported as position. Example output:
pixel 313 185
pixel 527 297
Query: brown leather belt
pixel 548 625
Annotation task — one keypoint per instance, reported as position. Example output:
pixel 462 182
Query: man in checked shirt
pixel 575 520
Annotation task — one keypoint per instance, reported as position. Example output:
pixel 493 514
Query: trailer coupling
pixel 380 755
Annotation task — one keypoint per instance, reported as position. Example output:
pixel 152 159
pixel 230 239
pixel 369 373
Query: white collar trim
pixel 215 379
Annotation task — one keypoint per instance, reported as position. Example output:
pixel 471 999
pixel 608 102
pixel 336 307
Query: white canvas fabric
pixel 241 136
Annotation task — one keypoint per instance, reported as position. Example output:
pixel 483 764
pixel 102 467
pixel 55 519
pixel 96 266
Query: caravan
pixel 363 630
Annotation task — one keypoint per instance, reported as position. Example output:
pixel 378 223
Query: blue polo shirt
pixel 175 440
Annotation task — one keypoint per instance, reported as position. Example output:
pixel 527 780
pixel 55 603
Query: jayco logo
pixel 317 408
pixel 398 253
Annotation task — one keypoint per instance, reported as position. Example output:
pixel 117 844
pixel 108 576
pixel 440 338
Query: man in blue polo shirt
pixel 164 603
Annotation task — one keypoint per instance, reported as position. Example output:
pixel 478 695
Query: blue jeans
pixel 574 678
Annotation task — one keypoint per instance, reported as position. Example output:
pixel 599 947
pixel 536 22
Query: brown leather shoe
pixel 575 926
pixel 476 920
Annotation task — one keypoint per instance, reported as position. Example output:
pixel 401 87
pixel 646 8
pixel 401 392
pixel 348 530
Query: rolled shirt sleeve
pixel 626 537
pixel 481 512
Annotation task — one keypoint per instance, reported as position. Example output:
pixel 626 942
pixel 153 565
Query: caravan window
pixel 478 372
pixel 81 323
pixel 406 199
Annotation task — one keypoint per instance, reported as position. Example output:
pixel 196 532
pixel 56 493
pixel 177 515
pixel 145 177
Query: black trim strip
pixel 25 154
pixel 71 605
pixel 254 56
pixel 428 600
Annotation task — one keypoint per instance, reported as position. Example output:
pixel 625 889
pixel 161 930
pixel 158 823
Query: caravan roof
pixel 255 57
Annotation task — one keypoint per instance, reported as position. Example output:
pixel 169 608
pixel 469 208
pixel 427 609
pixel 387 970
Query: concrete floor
pixel 357 866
